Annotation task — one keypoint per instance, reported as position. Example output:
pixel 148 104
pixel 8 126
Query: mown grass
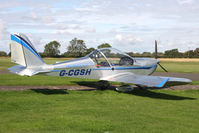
pixel 37 80
pixel 16 80
pixel 8 79
pixel 143 111
pixel 46 111
pixel 5 63
pixel 186 67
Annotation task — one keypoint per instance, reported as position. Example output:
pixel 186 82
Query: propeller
pixel 162 67
pixel 156 56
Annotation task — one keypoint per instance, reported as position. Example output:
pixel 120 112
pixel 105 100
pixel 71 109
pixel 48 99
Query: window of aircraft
pixel 117 58
pixel 99 59
pixel 108 56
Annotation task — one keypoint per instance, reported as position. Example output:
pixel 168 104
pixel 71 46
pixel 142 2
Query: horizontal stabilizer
pixel 21 70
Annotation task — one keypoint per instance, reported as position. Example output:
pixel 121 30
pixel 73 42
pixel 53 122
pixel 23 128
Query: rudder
pixel 23 52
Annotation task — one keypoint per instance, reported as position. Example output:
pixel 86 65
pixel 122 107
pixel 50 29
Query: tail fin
pixel 23 52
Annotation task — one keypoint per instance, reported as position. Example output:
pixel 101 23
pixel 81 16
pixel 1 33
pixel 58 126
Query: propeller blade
pixel 156 55
pixel 162 67
pixel 156 49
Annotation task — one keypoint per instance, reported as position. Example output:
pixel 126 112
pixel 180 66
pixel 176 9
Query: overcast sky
pixel 128 25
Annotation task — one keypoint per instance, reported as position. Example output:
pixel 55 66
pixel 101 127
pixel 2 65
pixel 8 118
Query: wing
pixel 143 80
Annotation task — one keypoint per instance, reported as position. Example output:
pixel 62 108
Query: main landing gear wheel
pixel 124 88
pixel 103 84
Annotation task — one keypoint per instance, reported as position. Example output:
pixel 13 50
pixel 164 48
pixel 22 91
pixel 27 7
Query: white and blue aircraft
pixel 106 64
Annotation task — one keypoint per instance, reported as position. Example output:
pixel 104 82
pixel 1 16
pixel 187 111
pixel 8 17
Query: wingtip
pixel 162 83
pixel 188 81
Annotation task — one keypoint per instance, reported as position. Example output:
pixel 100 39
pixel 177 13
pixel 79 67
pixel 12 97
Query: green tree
pixel 146 54
pixel 196 52
pixel 104 45
pixel 41 54
pixel 189 54
pixel 3 53
pixel 130 53
pixel 160 54
pixel 68 54
pixel 52 49
pixel 89 50
pixel 173 53
pixel 77 47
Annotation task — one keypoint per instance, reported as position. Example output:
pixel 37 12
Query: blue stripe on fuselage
pixel 124 68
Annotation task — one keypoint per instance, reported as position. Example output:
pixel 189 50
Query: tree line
pixel 173 53
pixel 78 48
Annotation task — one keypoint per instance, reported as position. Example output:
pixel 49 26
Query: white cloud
pixel 91 30
pixel 88 9
pixel 37 41
pixel 33 16
pixel 4 36
pixel 127 38
pixel 3 30
pixel 47 19
pixel 185 1
pixel 127 42
pixel 125 23
pixel 71 29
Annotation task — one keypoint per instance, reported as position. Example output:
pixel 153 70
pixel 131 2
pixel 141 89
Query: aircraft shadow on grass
pixel 170 84
pixel 158 95
pixel 145 92
pixel 47 91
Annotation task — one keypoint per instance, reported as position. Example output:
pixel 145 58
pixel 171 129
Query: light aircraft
pixel 106 64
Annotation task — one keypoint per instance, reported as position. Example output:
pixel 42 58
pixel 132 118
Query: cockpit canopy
pixel 108 57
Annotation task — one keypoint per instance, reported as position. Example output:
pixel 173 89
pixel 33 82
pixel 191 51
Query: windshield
pixel 114 57
pixel 99 59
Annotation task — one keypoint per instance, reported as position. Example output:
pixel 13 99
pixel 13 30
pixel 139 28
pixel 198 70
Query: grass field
pixel 186 67
pixel 16 80
pixel 179 59
pixel 143 111
pixel 13 80
pixel 175 65
pixel 190 66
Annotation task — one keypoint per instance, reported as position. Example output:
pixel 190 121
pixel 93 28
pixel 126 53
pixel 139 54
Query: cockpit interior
pixel 110 57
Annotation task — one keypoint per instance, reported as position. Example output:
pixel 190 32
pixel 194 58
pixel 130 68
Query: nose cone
pixel 152 62
pixel 157 61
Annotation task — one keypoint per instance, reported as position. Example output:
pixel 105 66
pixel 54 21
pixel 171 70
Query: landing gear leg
pixel 103 84
pixel 141 87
